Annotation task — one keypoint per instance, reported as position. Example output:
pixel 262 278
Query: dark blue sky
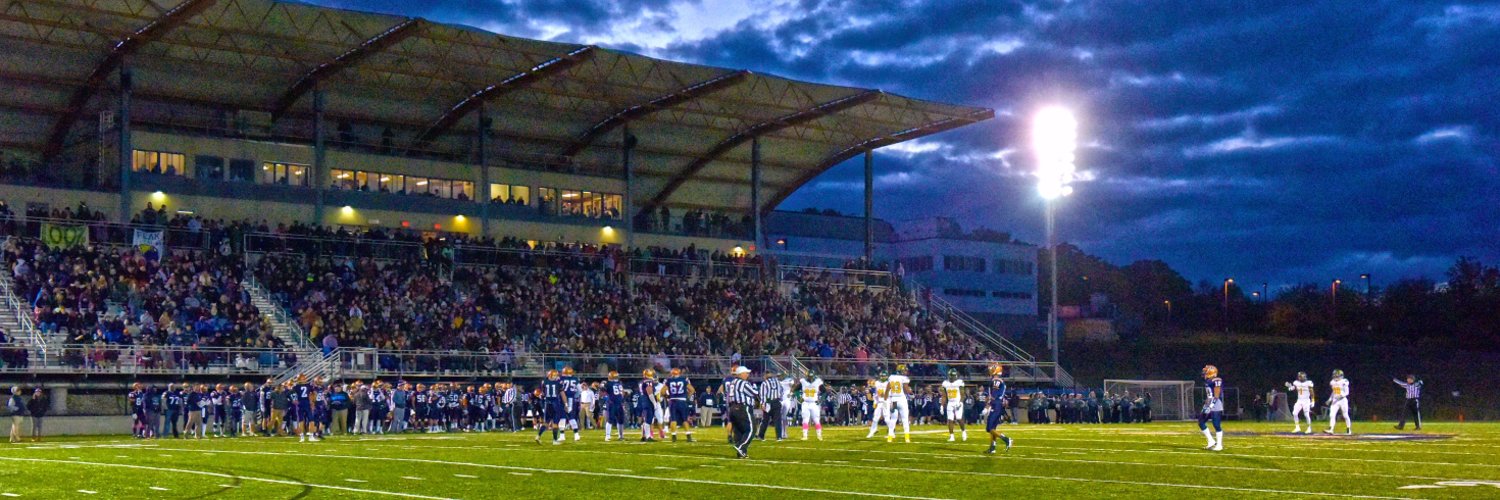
pixel 1278 141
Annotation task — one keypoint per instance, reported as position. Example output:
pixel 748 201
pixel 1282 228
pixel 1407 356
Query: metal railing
pixel 284 364
pixel 22 312
pixel 114 359
pixel 977 329
pixel 277 312
pixel 836 276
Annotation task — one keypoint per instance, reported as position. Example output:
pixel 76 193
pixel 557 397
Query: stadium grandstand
pixel 258 189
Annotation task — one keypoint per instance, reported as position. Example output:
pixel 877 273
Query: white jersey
pixel 953 390
pixel 1304 390
pixel 810 390
pixel 1340 388
pixel 786 389
pixel 880 395
pixel 896 387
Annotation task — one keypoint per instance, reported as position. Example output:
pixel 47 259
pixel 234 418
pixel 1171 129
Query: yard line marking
pixel 158 488
pixel 88 492
pixel 412 478
pixel 466 476
pixel 351 480
pixel 1420 487
pixel 1030 476
pixel 10 494
pixel 627 471
pixel 871 460
pixel 225 476
pixel 520 473
pixel 75 458
pixel 228 486
pixel 591 473
pixel 663 467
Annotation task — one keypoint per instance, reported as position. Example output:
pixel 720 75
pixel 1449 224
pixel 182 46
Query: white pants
pixel 900 413
pixel 955 411
pixel 812 414
pixel 1334 408
pixel 882 412
pixel 1303 408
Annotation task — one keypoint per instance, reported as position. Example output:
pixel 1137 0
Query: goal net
pixel 1170 399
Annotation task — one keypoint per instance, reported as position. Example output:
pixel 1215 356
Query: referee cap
pixel 741 369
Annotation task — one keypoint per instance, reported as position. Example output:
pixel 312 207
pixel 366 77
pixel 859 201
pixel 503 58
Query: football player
pixel 646 405
pixel 1305 402
pixel 614 405
pixel 554 407
pixel 1213 408
pixel 679 401
pixel 570 383
pixel 812 411
pixel 995 411
pixel 881 406
pixel 953 396
pixel 1338 402
pixel 898 388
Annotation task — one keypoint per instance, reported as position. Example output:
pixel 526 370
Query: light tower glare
pixel 1054 137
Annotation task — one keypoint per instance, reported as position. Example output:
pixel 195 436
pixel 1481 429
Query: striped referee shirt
pixel 770 390
pixel 1413 391
pixel 740 391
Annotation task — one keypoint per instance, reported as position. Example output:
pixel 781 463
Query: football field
pixel 1160 460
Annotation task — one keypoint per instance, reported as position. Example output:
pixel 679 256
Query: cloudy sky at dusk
pixel 1277 141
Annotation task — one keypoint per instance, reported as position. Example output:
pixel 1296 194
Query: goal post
pixel 1170 399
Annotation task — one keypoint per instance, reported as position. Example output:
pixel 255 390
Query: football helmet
pixel 1210 371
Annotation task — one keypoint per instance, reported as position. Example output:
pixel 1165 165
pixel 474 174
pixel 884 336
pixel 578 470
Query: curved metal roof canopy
pixel 549 103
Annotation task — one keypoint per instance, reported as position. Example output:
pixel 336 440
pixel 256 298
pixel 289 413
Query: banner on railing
pixel 149 241
pixel 62 236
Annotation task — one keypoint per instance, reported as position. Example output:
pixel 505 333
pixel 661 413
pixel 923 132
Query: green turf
pixel 1161 460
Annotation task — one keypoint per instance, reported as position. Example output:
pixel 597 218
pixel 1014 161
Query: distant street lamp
pixel 1054 135
pixel 1169 310
pixel 1334 301
pixel 1368 295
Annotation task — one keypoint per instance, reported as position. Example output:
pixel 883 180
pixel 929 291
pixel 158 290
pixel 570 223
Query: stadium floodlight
pixel 1054 136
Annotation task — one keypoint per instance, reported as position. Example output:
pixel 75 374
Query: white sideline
pixel 588 473
pixel 225 476
pixel 1016 476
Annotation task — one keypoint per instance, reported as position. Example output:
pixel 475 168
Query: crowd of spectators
pixel 96 295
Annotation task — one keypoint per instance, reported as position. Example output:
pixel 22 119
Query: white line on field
pixel 466 476
pixel 158 488
pixel 228 486
pixel 9 494
pixel 663 467
pixel 352 480
pixel 412 478
pixel 627 471
pixel 1030 476
pixel 591 473
pixel 224 476
pixel 520 473
pixel 88 492
pixel 1143 464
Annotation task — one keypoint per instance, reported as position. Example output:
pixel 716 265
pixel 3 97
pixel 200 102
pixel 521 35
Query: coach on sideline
pixel 1413 401
pixel 741 395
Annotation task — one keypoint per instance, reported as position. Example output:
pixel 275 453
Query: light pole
pixel 1169 310
pixel 1227 282
pixel 1054 135
pixel 1334 302
pixel 1368 294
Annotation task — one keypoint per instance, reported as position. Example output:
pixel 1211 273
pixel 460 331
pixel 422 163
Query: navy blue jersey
pixel 302 394
pixel 647 390
pixel 137 401
pixel 614 392
pixel 997 394
pixel 570 384
pixel 553 390
pixel 677 388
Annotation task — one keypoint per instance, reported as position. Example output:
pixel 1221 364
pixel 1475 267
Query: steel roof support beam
pixel 877 143
pixel 515 82
pixel 755 131
pixel 112 61
pixel 680 96
pixel 384 40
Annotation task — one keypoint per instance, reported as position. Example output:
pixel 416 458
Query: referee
pixel 741 395
pixel 770 402
pixel 1413 401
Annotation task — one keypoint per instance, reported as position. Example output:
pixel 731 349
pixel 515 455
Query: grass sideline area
pixel 1158 460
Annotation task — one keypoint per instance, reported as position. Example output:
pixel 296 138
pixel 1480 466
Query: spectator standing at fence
pixel 17 408
pixel 38 407
pixel 1413 401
